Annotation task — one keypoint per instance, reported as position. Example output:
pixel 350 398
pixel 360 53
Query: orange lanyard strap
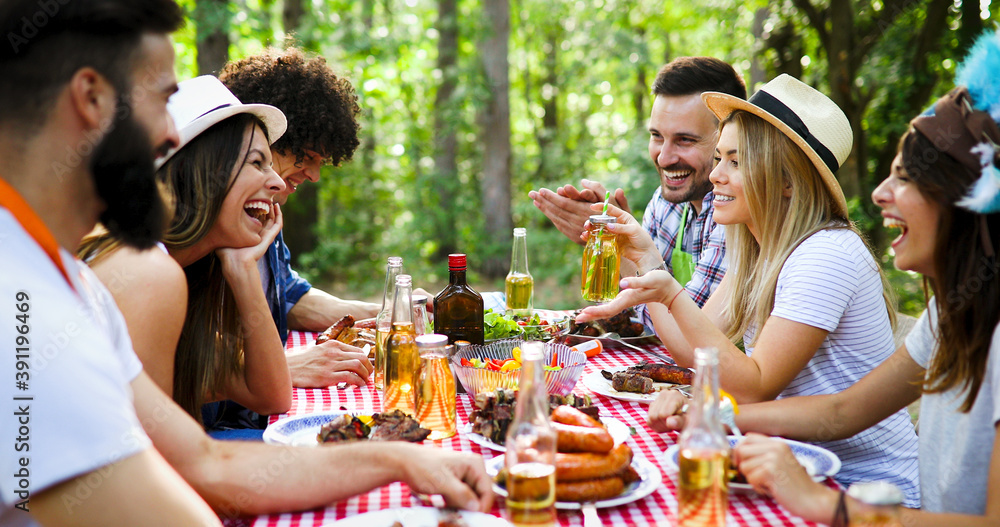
pixel 11 200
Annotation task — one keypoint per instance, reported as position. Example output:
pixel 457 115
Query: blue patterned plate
pixel 819 462
pixel 299 430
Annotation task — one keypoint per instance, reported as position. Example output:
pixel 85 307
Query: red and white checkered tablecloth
pixel 660 508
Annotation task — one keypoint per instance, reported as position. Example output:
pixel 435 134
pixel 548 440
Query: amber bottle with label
pixel 458 308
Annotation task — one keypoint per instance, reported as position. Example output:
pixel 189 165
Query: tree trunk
pixel 971 28
pixel 445 136
pixel 757 73
pixel 549 131
pixel 212 21
pixel 302 212
pixel 496 136
pixel 291 15
pixel 841 73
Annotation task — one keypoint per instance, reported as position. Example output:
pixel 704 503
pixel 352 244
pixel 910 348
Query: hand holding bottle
pixel 636 245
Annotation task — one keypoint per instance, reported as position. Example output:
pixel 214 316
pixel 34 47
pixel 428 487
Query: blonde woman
pixel 195 306
pixel 802 291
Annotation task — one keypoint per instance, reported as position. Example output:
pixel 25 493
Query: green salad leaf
pixel 499 326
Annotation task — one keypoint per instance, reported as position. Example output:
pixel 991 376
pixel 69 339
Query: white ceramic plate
pixel 819 462
pixel 299 430
pixel 415 517
pixel 619 432
pixel 649 482
pixel 601 386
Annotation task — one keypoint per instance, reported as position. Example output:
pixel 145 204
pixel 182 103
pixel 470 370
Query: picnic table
pixel 659 508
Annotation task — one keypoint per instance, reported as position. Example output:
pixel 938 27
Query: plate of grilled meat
pixel 639 383
pixel 343 427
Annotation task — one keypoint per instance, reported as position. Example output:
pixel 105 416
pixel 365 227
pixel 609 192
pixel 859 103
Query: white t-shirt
pixel 80 362
pixel 955 447
pixel 831 282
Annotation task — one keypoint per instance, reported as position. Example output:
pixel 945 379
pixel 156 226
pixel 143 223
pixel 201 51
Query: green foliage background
pixel 588 61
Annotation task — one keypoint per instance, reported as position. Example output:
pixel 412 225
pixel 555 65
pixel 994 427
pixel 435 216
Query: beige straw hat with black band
pixel 807 117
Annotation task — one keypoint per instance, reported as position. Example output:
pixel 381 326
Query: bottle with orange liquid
pixel 531 447
pixel 704 450
pixel 383 321
pixel 401 358
pixel 435 387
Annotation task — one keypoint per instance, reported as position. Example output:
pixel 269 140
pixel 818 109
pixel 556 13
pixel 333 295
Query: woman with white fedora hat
pixel 195 307
pixel 803 291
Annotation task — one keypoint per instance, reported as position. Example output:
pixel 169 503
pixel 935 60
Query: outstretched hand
pixel 654 286
pixel 460 478
pixel 569 208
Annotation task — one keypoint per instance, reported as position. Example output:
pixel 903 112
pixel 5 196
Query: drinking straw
pixel 600 231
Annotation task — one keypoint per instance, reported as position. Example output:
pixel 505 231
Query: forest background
pixel 469 104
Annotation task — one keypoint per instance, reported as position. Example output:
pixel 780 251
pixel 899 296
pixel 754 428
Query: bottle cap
pixel 419 299
pixel 456 262
pixel 602 219
pixel 432 340
pixel 876 493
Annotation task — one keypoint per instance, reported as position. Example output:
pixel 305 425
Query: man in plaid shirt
pixel 682 138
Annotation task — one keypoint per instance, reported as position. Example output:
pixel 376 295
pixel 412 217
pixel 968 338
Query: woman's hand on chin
pixel 232 257
pixel 654 286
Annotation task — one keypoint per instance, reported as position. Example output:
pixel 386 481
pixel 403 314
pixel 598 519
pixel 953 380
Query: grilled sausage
pixel 662 372
pixel 571 438
pixel 568 415
pixel 576 467
pixel 336 329
pixel 589 489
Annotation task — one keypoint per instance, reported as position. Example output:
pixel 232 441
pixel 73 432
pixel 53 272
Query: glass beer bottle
pixel 531 447
pixel 601 261
pixel 519 286
pixel 383 321
pixel 458 308
pixel 435 387
pixel 401 358
pixel 420 314
pixel 704 450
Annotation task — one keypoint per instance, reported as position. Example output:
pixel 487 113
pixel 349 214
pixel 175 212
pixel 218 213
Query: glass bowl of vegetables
pixel 500 326
pixel 498 365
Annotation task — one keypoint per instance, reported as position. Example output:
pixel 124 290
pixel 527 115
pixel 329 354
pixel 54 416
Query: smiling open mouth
pixel 257 210
pixel 723 198
pixel 676 177
pixel 895 223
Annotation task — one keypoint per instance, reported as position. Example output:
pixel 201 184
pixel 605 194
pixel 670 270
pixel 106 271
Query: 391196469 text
pixel 22 413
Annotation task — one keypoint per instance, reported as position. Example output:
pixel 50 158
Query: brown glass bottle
pixel 458 308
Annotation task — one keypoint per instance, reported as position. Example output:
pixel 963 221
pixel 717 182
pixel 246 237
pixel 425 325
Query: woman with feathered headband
pixel 943 194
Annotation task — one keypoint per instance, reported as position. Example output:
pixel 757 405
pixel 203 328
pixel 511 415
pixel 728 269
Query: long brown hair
pixel 770 162
pixel 965 283
pixel 197 179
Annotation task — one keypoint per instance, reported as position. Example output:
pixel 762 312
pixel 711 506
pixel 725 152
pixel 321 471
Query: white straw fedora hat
pixel 204 101
pixel 809 118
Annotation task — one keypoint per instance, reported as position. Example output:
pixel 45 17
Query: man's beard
pixel 696 189
pixel 125 178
